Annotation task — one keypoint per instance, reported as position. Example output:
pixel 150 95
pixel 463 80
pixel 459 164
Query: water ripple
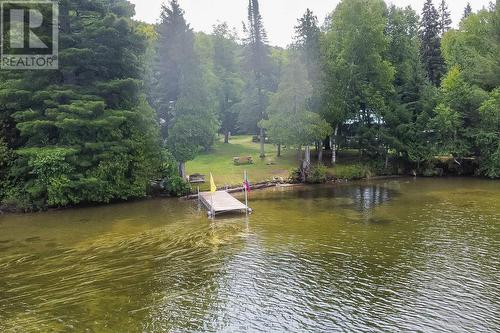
pixel 327 264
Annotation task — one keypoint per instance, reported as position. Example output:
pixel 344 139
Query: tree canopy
pixel 131 99
pixel 83 133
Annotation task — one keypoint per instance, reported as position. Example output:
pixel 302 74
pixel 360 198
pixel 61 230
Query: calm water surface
pixel 402 255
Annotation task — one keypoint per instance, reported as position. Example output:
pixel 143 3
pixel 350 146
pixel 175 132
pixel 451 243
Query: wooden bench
pixel 243 160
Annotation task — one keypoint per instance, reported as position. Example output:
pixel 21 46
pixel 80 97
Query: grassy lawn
pixel 220 163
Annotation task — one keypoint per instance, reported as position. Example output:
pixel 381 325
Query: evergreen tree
pixel 183 103
pixel 229 83
pixel 467 11
pixel 175 56
pixel 444 17
pixel 12 99
pixel 406 118
pixel 430 42
pixel 86 133
pixel 290 122
pixel 257 52
pixel 307 41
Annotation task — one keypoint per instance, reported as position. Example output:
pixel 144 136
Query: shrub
pixel 491 165
pixel 318 174
pixel 5 158
pixel 171 181
pixel 294 176
pixel 356 171
pixel 176 186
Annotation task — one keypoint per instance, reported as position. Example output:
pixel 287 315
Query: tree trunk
pixel 226 137
pixel 386 159
pixel 305 164
pixel 262 143
pixel 327 143
pixel 320 152
pixel 182 170
pixel 303 172
pixel 333 145
pixel 279 150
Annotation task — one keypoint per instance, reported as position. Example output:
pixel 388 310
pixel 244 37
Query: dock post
pixel 212 209
pixel 245 185
pixel 199 198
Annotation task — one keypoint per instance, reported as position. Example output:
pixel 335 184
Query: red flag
pixel 246 184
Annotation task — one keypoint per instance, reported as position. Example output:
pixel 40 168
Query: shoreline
pixel 265 185
pixel 9 210
pixel 6 210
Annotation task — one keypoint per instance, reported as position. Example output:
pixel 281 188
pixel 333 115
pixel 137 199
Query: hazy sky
pixel 280 16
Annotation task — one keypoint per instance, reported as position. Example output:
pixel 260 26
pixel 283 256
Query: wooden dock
pixel 221 202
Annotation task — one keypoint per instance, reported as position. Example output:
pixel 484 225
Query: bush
pixel 491 165
pixel 176 186
pixel 318 174
pixel 5 158
pixel 356 171
pixel 171 181
pixel 295 176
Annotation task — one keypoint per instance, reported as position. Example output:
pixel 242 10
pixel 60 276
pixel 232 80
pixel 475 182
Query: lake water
pixel 387 256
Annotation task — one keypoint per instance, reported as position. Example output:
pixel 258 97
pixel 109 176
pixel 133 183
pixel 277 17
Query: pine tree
pixel 307 40
pixel 175 56
pixel 290 122
pixel 85 132
pixel 444 17
pixel 492 6
pixel 431 43
pixel 229 83
pixel 405 133
pixel 467 10
pixel 183 102
pixel 256 43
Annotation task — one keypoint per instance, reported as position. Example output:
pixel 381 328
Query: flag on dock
pixel 213 188
pixel 246 183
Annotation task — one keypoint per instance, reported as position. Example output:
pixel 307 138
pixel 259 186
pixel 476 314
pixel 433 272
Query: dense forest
pixel 131 102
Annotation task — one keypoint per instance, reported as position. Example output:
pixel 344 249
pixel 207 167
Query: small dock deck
pixel 222 202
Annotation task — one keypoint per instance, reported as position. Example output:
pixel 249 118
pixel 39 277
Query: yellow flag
pixel 213 188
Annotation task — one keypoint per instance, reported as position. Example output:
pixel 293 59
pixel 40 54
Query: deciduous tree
pixel 359 77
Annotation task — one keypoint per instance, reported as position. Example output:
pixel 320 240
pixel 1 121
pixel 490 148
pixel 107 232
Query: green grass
pixel 219 162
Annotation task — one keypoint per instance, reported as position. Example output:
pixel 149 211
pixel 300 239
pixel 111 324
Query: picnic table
pixel 196 178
